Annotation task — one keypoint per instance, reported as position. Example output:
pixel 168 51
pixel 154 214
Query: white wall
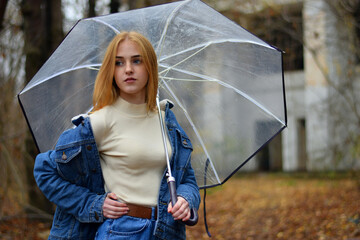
pixel 295 101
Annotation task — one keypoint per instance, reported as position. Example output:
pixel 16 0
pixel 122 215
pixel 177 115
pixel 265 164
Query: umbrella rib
pixel 168 20
pixel 182 79
pixel 89 66
pixel 227 86
pixel 212 42
pixel 105 23
pixel 194 127
pixel 185 59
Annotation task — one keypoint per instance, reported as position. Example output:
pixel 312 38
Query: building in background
pixel 322 78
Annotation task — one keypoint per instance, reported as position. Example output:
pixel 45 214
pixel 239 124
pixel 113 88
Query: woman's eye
pixel 137 61
pixel 118 63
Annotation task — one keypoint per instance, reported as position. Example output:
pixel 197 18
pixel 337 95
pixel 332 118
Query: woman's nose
pixel 128 68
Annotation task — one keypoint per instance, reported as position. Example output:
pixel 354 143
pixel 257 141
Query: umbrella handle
pixel 173 196
pixel 172 190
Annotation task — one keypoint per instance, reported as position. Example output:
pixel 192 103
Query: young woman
pixel 110 169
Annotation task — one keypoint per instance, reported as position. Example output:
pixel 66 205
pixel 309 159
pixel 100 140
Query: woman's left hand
pixel 181 210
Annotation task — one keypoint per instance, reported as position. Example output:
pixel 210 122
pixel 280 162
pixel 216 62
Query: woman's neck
pixel 133 98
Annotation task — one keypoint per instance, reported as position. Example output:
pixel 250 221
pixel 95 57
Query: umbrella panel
pixel 239 82
pixel 253 71
pixel 55 100
pixel 228 137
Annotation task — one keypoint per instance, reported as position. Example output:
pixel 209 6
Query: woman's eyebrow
pixel 135 56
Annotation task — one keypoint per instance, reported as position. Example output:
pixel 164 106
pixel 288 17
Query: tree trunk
pixel 33 36
pixel 42 34
pixel 91 9
pixel 3 4
pixel 54 27
pixel 114 6
pixel 149 3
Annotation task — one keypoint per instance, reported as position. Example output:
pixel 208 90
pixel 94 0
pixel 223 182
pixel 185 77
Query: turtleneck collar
pixel 130 109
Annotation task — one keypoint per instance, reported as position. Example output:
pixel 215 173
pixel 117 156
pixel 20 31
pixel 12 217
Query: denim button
pixel 64 157
pixel 89 147
pixel 96 216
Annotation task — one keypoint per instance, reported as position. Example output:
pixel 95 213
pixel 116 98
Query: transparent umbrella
pixel 226 84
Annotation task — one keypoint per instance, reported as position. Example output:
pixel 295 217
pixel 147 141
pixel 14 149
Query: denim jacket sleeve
pixel 185 176
pixel 79 201
pixel 188 188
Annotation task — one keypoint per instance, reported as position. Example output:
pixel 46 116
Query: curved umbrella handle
pixel 193 218
pixel 173 196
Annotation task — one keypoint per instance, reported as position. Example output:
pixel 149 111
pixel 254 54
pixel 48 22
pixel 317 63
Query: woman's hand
pixel 181 210
pixel 113 208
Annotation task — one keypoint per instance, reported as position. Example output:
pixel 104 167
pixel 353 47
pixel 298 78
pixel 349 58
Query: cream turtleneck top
pixel 131 150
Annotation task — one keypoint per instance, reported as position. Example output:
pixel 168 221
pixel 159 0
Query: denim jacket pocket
pixel 70 164
pixel 185 141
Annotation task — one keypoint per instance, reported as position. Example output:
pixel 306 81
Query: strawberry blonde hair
pixel 106 91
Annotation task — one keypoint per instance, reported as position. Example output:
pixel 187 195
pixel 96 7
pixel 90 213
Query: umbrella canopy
pixel 227 84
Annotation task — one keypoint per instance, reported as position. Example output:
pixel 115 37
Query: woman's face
pixel 130 73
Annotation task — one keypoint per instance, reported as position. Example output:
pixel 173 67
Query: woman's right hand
pixel 112 208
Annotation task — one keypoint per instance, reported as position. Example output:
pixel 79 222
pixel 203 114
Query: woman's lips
pixel 130 80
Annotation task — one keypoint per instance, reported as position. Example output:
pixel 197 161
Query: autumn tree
pixel 12 127
pixel 43 31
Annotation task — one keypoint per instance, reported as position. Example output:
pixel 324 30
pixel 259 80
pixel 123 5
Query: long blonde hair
pixel 106 91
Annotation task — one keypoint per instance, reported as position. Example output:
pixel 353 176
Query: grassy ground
pixel 258 206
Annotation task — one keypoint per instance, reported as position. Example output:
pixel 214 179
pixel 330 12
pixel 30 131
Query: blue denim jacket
pixel 70 176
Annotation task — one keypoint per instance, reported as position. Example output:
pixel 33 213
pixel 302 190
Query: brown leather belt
pixel 140 211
